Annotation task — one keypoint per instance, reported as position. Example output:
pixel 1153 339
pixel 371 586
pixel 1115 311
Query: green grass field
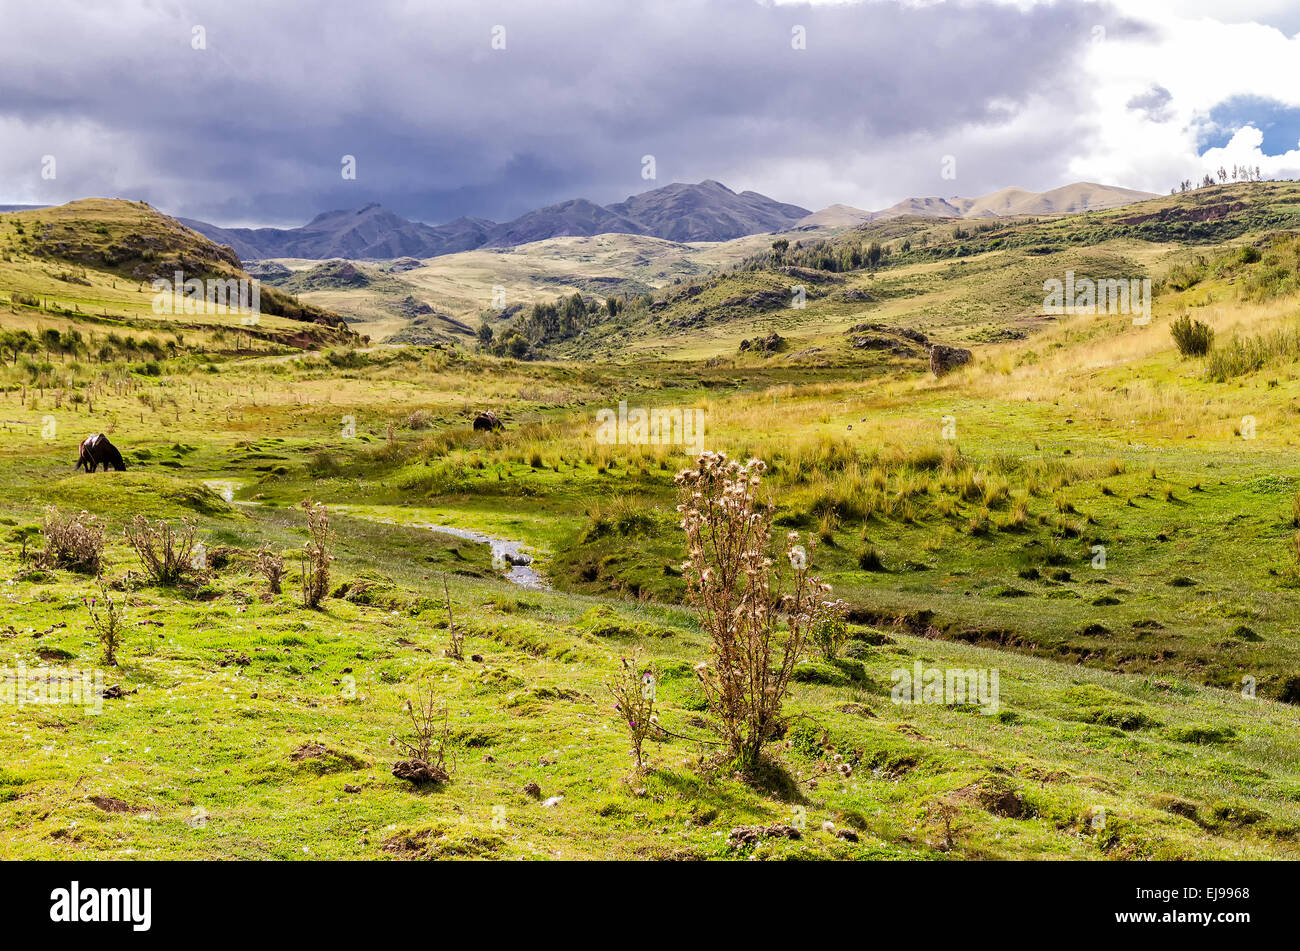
pixel 1109 525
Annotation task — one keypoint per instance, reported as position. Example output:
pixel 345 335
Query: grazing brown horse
pixel 96 451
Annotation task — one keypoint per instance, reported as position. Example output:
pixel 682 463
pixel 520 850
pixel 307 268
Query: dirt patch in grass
pixel 436 843
pixel 321 759
pixel 109 804
pixel 996 796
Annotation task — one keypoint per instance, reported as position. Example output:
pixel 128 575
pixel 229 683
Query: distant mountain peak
pixel 706 211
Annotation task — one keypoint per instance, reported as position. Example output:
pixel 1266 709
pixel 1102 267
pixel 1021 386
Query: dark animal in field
pixel 946 359
pixel 487 422
pixel 96 451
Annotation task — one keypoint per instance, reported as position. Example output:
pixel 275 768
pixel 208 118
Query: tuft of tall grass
pixel 826 527
pixel 1018 519
pixel 869 559
pixel 1242 356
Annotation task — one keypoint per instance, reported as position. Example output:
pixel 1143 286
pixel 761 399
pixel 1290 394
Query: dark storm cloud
pixel 253 128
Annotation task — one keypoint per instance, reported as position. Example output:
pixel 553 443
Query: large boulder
pixel 946 359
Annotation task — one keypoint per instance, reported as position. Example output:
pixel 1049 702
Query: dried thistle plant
pixel 633 689
pixel 428 744
pixel 757 601
pixel 940 815
pixel 108 620
pixel 72 541
pixel 166 551
pixel 456 649
pixel 270 565
pixel 316 555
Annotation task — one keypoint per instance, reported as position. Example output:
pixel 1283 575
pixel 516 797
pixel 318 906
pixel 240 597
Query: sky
pixel 242 112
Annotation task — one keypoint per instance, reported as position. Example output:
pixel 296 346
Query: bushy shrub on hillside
pixel 1192 337
pixel 1278 273
pixel 1185 274
pixel 1247 355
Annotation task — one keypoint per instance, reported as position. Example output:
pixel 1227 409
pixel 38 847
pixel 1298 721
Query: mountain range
pixel 706 211
pixel 1004 203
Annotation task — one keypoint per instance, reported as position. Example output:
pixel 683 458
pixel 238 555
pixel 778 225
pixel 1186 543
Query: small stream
pixel 224 488
pixel 510 555
pixel 504 552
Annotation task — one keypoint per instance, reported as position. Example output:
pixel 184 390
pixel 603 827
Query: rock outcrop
pixel 946 359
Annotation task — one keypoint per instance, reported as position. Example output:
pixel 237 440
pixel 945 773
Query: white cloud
pixel 1244 149
pixel 1200 62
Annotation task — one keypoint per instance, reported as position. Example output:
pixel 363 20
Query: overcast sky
pixel 240 112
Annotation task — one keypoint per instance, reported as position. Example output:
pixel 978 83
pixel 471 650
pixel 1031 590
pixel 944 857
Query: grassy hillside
pixel 958 281
pixel 463 287
pixel 1148 698
pixel 90 265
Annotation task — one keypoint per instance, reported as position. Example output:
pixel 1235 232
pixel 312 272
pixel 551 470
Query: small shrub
pixel 108 621
pixel 1192 337
pixel 829 631
pixel 456 648
pixel 166 552
pixel 75 542
pixel 419 419
pixel 426 747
